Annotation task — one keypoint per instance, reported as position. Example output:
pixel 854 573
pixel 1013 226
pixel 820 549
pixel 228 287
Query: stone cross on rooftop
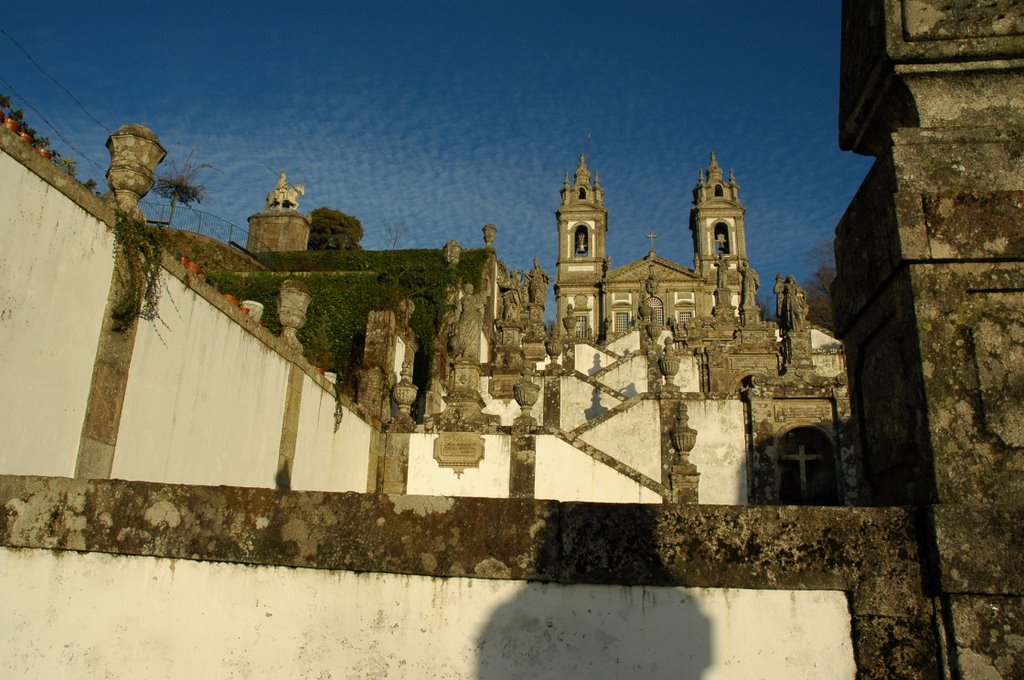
pixel 650 237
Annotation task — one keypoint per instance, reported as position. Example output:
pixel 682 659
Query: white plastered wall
pixel 204 399
pixel 628 375
pixel 326 460
pixel 56 262
pixel 630 342
pixel 720 451
pixel 92 615
pixel 490 479
pixel 564 473
pixel 589 359
pixel 632 437
pixel 581 401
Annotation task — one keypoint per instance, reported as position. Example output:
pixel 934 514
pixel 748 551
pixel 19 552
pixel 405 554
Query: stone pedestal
pixel 463 412
pixel 278 232
pixel 929 296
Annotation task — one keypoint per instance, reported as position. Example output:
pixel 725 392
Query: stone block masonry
pixel 840 587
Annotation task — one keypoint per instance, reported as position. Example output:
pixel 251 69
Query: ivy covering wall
pixel 346 286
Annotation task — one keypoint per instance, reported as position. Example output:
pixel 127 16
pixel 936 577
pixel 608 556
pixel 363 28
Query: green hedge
pixel 346 286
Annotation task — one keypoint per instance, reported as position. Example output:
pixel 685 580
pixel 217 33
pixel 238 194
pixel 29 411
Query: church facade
pixel 788 376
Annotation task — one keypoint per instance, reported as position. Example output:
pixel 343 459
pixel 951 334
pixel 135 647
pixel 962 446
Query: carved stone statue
pixel 510 287
pixel 538 284
pixel 779 290
pixel 749 286
pixel 793 306
pixel 285 196
pixel 464 338
pixel 723 273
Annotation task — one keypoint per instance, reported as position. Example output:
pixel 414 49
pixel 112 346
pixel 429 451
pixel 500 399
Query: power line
pixel 55 81
pixel 50 124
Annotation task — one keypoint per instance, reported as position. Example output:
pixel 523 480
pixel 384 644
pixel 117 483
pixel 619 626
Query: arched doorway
pixel 805 468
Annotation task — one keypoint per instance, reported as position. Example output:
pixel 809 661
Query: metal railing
pixel 187 218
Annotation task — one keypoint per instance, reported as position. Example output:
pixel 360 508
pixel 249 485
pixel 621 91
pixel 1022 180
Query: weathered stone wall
pixel 639 555
pixel 200 395
pixel 930 271
pixel 56 263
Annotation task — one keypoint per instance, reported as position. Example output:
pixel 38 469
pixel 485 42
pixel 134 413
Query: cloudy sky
pixel 443 116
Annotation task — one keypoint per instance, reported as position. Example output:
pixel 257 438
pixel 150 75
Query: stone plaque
pixel 459 451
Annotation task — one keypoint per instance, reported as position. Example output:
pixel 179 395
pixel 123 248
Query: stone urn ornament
pixel 490 234
pixel 683 436
pixel 668 363
pixel 526 393
pixel 135 152
pixel 292 301
pixel 404 393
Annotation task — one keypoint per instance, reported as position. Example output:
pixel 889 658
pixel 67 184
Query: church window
pixel 583 193
pixel 621 322
pixel 582 326
pixel 722 238
pixel 657 310
pixel 582 240
pixel 684 317
pixel 806 468
pixel 718 190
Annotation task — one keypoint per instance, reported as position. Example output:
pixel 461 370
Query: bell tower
pixel 716 221
pixel 582 261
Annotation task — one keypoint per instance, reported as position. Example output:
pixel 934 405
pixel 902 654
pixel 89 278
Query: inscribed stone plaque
pixel 459 451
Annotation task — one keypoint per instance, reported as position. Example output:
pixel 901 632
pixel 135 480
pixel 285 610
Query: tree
pixel 180 185
pixel 822 259
pixel 331 229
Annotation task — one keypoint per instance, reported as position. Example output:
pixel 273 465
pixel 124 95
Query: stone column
pixel 929 299
pixel 523 470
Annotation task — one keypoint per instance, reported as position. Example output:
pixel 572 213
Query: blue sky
pixel 443 116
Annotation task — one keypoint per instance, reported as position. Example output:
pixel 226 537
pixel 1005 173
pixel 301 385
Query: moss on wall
pixel 346 286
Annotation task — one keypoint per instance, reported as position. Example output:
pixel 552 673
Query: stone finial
pixel 404 393
pixel 490 234
pixel 135 151
pixel 292 301
pixel 284 196
pixel 582 175
pixel 452 251
pixel 684 437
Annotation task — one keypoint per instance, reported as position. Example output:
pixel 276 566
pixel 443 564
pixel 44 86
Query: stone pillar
pixel 522 475
pixel 278 232
pixel 552 399
pixel 929 298
pixel 135 152
pixel 393 465
pixel 677 440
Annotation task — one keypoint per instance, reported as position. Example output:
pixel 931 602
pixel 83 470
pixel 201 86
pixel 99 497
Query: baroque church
pixel 790 375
